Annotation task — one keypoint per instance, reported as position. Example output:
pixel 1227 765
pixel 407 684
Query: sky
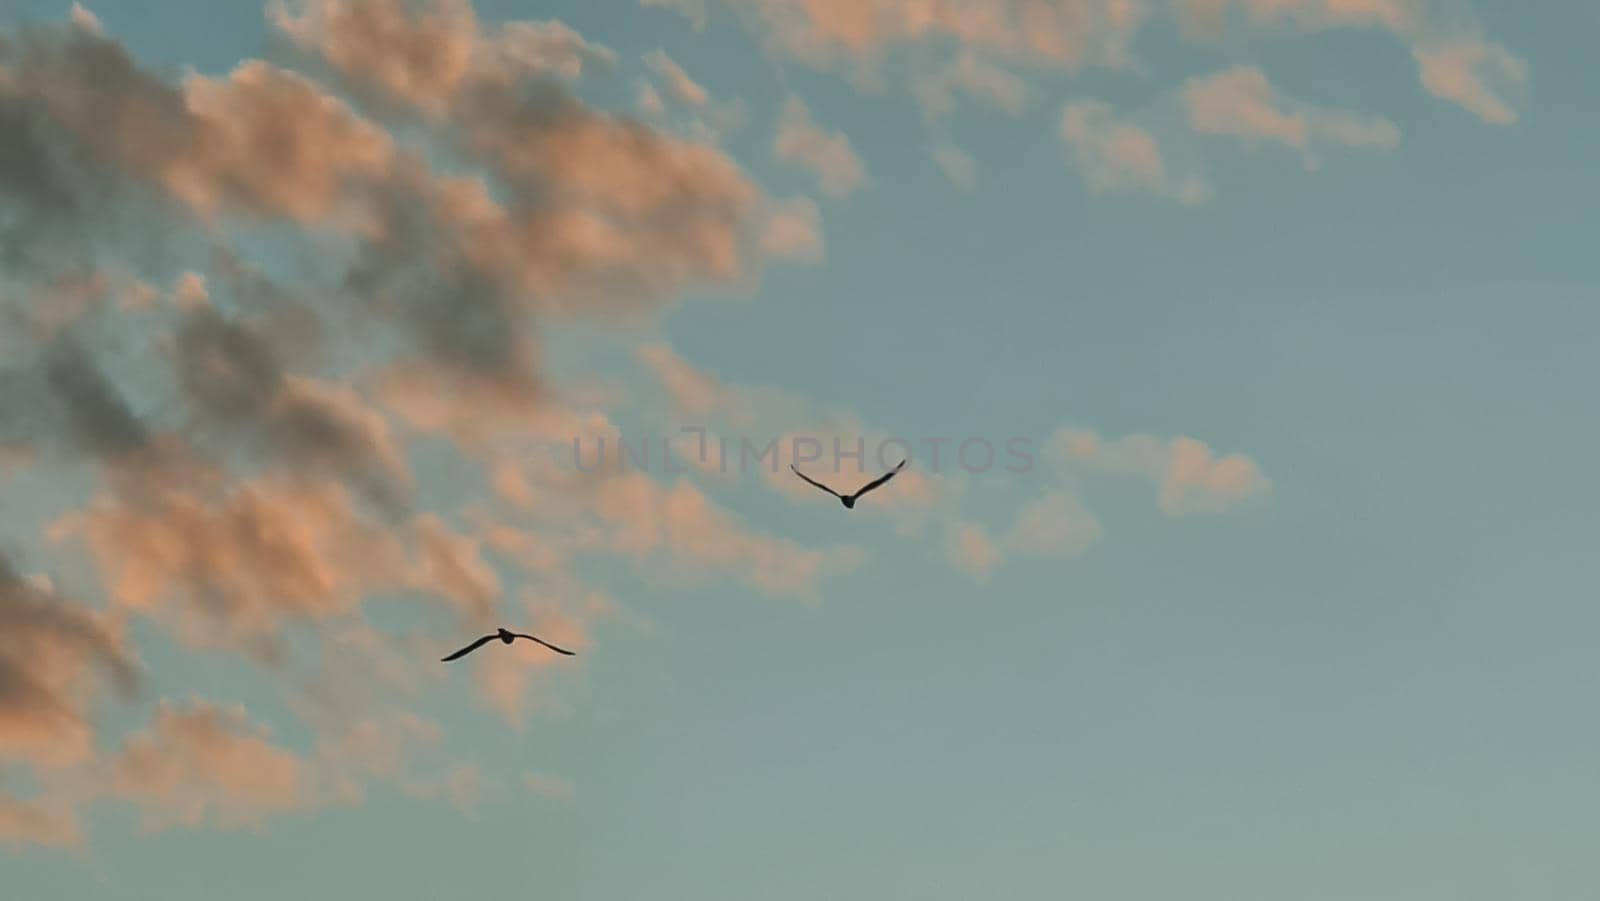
pixel 1277 316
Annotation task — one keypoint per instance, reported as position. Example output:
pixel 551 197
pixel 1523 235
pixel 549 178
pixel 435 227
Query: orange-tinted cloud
pixel 978 47
pixel 263 141
pixel 794 230
pixel 31 822
pixel 828 154
pixel 424 54
pixel 56 658
pixel 684 88
pixel 1054 525
pixel 1189 476
pixel 1114 154
pixel 976 77
pixel 1481 77
pixel 973 550
pixel 1240 102
pixel 693 392
pixel 1073 33
pixel 198 764
pixel 693 535
pixel 957 165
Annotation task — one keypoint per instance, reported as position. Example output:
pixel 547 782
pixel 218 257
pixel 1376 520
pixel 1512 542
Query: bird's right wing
pixel 813 481
pixel 469 648
pixel 545 643
pixel 881 479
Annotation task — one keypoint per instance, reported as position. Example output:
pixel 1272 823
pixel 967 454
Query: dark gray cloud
pixel 231 373
pixel 96 414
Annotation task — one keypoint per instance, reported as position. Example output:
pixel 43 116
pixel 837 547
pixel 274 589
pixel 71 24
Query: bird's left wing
pixel 814 481
pixel 545 643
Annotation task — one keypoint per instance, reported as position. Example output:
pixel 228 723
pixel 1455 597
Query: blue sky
pixel 1297 601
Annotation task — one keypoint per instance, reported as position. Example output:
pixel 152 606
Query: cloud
pixel 693 392
pixel 263 141
pixel 84 19
pixel 1189 476
pixel 198 764
pixel 521 679
pixel 34 823
pixel 794 230
pixel 761 431
pixel 649 102
pixel 1309 15
pixel 693 10
pixel 425 54
pixel 96 415
pixel 684 88
pixel 56 659
pixel 1114 155
pixel 1055 525
pixel 971 548
pixel 801 142
pixel 976 77
pixel 1068 34
pixel 1480 77
pixel 244 442
pixel 682 526
pixel 453 565
pixel 1454 63
pixel 957 166
pixel 233 376
pixel 230 563
pixel 1241 103
pixel 991 51
pixel 691 111
pixel 190 294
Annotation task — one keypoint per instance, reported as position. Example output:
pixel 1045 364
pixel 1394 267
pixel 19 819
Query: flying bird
pixel 849 500
pixel 506 637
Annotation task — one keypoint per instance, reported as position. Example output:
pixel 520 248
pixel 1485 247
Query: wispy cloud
pixel 261 486
pixel 828 154
pixel 1481 77
pixel 1114 154
pixel 957 165
pixel 1241 103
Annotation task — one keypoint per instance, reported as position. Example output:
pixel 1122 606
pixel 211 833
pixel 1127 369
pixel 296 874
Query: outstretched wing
pixel 814 481
pixel 883 478
pixel 545 643
pixel 469 648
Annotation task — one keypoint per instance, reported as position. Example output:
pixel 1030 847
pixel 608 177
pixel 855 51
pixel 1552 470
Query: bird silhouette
pixel 507 637
pixel 849 500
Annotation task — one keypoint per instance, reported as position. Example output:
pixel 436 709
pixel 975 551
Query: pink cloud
pixel 1189 476
pixel 425 54
pixel 1055 525
pixel 695 536
pixel 973 550
pixel 1114 154
pixel 828 154
pixel 684 88
pixel 1066 34
pixel 693 392
pixel 794 230
pixel 976 77
pixel 1481 77
pixel 198 764
pixel 56 659
pixel 957 165
pixel 1240 102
